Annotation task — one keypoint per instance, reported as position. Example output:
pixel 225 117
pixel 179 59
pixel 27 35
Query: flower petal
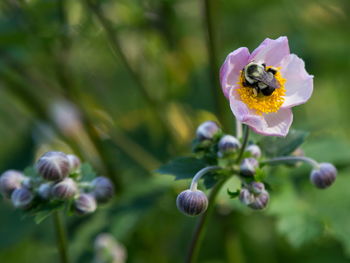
pixel 299 84
pixel 272 124
pixel 229 72
pixel 271 51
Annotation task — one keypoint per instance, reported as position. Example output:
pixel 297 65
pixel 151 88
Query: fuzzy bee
pixel 259 78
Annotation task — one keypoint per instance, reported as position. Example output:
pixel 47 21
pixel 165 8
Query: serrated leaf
pixel 182 168
pixel 277 146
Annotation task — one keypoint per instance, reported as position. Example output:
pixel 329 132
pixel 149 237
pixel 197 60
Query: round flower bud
pixel 22 198
pixel 65 189
pixel 10 181
pixel 248 167
pixel 44 191
pixel 324 176
pixel 228 144
pixel 53 166
pixel 74 162
pixel 102 189
pixel 254 150
pixel 260 201
pixel 245 196
pixel 192 203
pixel 257 187
pixel 207 130
pixel 85 204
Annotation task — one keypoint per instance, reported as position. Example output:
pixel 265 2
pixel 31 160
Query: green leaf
pixel 233 194
pixel 277 146
pixel 182 168
pixel 87 172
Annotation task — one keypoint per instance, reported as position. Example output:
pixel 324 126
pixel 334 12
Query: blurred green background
pixel 124 83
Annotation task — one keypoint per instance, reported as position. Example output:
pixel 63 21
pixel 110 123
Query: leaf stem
pixel 61 237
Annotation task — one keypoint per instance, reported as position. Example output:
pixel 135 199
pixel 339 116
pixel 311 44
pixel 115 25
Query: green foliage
pixel 182 167
pixel 277 146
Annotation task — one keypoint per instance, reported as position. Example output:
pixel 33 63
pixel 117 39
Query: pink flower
pixel 272 114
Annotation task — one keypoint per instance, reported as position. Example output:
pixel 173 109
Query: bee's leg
pixel 255 91
pixel 272 70
pixel 267 91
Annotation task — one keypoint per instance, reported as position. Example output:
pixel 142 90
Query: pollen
pixel 260 103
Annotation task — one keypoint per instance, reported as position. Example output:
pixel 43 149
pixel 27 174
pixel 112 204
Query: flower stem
pixel 203 220
pixel 244 144
pixel 201 224
pixel 200 174
pixel 292 159
pixel 239 129
pixel 219 100
pixel 61 237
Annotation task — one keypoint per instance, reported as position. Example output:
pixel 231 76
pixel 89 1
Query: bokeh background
pixel 124 83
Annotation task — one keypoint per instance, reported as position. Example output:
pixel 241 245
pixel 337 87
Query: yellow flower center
pixel 259 102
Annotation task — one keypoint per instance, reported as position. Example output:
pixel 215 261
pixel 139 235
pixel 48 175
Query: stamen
pixel 257 101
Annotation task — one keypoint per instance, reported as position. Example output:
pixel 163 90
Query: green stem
pixel 203 220
pixel 219 100
pixel 292 159
pixel 202 223
pixel 61 237
pixel 244 144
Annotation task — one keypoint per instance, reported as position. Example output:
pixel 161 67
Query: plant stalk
pixel 61 237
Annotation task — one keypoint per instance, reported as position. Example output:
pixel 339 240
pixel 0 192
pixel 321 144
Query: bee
pixel 260 78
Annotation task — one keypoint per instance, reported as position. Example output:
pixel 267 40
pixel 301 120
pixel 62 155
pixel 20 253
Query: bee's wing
pixel 268 79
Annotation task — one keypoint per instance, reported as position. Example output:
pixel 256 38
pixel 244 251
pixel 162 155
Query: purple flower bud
pixel 53 166
pixel 85 204
pixel 245 196
pixel 22 198
pixel 102 189
pixel 324 176
pixel 74 162
pixel 257 187
pixel 108 249
pixel 44 190
pixel 192 203
pixel 248 167
pixel 207 130
pixel 10 181
pixel 65 189
pixel 260 201
pixel 228 144
pixel 254 151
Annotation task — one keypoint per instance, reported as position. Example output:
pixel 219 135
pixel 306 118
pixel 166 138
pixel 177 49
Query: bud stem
pixel 292 159
pixel 239 129
pixel 199 174
pixel 61 237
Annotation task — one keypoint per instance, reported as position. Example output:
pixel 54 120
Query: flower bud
pixel 324 176
pixel 74 162
pixel 102 189
pixel 207 130
pixel 85 204
pixel 248 167
pixel 228 144
pixel 260 201
pixel 44 191
pixel 10 181
pixel 108 249
pixel 192 203
pixel 65 189
pixel 53 166
pixel 22 198
pixel 254 195
pixel 254 150
pixel 257 187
